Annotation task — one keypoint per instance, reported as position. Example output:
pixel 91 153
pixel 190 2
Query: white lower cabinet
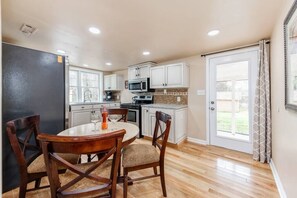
pixel 81 114
pixel 178 128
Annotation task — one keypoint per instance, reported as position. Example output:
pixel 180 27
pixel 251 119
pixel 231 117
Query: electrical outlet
pixel 201 92
pixel 165 91
pixel 178 99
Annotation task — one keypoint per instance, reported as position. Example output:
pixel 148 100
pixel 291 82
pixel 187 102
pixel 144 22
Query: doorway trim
pixel 207 70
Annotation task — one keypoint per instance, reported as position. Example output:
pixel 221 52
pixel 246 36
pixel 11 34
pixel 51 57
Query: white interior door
pixel 232 79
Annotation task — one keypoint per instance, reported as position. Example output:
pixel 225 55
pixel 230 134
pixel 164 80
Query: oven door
pixel 133 118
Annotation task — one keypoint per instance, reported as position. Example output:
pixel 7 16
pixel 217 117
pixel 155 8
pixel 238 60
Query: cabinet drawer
pixel 167 111
pixel 114 105
pixel 99 106
pixel 81 107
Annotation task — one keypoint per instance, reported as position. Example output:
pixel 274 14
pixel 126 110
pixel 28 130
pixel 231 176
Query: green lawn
pixel 224 122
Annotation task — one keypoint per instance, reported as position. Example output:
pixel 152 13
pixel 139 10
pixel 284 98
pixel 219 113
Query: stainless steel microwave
pixel 139 85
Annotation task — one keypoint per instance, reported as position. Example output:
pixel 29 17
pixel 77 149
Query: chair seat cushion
pixel 139 154
pixel 103 170
pixel 38 165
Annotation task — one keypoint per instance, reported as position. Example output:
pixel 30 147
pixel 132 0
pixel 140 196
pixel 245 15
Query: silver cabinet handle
pixel 212 108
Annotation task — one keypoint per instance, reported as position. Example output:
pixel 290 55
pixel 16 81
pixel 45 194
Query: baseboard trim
pixel 197 141
pixel 278 182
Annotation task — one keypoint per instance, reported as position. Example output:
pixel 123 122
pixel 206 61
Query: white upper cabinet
pixel 139 71
pixel 157 77
pixel 169 76
pixel 113 82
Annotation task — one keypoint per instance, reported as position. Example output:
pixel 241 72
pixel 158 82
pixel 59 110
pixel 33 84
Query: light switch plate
pixel 201 92
pixel 178 99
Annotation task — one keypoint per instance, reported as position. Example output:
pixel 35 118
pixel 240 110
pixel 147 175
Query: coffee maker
pixel 108 95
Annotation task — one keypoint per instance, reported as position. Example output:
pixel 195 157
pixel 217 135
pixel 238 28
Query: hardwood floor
pixel 198 171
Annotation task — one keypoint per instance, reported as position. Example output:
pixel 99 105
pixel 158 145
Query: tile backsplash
pixel 170 96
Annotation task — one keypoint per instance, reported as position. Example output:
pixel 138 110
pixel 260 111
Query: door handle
pixel 212 108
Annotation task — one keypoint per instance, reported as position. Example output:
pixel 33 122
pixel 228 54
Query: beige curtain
pixel 262 115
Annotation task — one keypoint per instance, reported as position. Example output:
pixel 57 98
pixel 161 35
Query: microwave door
pixel 134 86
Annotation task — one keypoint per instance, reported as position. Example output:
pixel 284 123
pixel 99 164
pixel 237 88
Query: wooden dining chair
pixel 142 156
pixel 123 112
pixel 93 179
pixel 22 134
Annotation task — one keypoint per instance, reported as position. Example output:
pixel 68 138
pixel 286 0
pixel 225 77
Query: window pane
pixel 89 80
pixel 73 94
pixel 232 100
pixel 90 94
pixel 73 78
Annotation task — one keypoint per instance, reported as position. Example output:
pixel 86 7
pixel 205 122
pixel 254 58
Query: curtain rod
pixel 231 49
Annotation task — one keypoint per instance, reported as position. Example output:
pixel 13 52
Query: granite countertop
pixel 166 106
pixel 93 103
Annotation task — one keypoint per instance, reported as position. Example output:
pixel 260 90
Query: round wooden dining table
pixel 88 129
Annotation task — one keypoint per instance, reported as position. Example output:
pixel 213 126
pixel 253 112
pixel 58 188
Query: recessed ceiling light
pixel 85 65
pixel 61 51
pixel 94 30
pixel 108 64
pixel 146 53
pixel 213 33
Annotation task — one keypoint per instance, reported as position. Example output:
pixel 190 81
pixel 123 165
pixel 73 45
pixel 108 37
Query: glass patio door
pixel 231 94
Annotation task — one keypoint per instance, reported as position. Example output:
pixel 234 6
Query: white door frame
pixel 233 52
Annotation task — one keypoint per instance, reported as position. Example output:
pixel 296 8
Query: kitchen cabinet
pixel 81 114
pixel 178 128
pixel 169 76
pixel 139 71
pixel 113 82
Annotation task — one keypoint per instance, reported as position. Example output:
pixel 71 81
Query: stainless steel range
pixel 134 114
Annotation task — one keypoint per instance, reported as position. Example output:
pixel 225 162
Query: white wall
pixel 284 122
pixel 1 98
pixel 196 104
pixel 126 95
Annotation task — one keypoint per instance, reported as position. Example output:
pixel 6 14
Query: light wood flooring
pixel 198 171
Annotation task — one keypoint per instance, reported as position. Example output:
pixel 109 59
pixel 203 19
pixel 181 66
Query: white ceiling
pixel 169 29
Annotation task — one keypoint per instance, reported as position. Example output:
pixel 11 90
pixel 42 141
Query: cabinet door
pixel 144 72
pixel 107 85
pixel 113 82
pixel 80 117
pixel 152 123
pixel 157 77
pixel 174 75
pixel 145 121
pixel 152 119
pixel 132 73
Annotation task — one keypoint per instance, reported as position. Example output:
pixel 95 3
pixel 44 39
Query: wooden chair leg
pixel 89 158
pixel 125 184
pixel 37 183
pixel 120 166
pixel 23 189
pixel 162 176
pixel 155 171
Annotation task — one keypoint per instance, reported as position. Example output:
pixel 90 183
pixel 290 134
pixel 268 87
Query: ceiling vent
pixel 28 30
